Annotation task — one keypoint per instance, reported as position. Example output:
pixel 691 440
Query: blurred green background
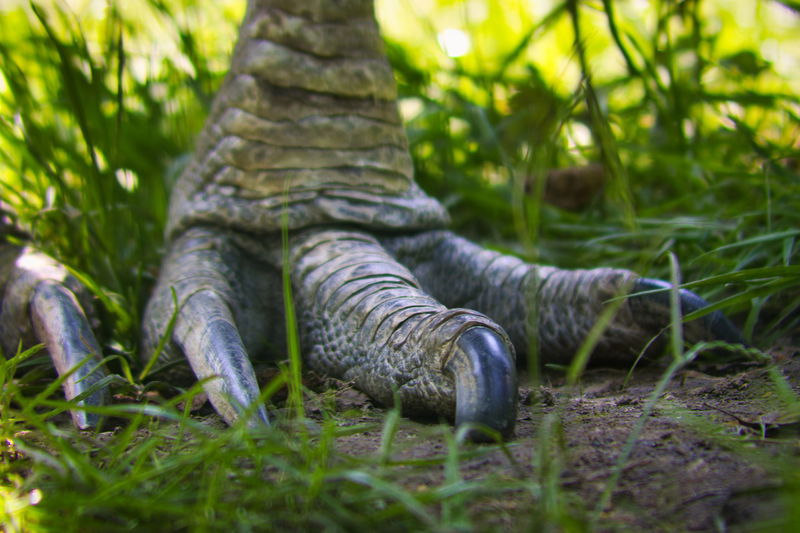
pixel 689 107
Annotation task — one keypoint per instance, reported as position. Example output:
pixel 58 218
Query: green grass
pixel 165 470
pixel 697 129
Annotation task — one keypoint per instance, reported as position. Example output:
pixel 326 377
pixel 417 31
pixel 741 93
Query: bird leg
pixel 305 135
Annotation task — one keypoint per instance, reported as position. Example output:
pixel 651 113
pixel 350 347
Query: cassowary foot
pixel 395 316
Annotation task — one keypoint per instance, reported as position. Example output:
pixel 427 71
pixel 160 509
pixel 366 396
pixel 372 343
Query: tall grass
pixel 699 141
pixel 697 133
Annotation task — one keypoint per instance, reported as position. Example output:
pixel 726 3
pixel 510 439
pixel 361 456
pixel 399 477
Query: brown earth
pixel 709 457
pixel 718 451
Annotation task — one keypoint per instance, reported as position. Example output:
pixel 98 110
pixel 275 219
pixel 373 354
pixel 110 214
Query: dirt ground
pixel 715 453
pixel 707 459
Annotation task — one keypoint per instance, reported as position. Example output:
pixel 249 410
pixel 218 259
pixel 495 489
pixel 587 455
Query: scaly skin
pixel 306 120
pixel 305 135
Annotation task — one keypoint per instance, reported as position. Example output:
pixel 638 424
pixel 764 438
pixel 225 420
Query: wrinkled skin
pixel 305 135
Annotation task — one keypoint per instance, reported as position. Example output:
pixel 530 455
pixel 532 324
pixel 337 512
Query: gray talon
pixel 40 305
pixel 485 379
pixel 215 351
pixel 713 326
pixel 61 325
pixel 236 390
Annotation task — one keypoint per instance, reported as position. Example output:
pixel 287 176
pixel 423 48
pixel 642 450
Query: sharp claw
pixel 224 350
pixel 486 384
pixel 62 326
pixel 715 325
pixel 215 351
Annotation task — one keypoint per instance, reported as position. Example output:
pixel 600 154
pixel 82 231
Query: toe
pixel 40 303
pixel 365 318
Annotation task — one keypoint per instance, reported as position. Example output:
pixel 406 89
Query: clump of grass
pixel 165 470
pixel 697 132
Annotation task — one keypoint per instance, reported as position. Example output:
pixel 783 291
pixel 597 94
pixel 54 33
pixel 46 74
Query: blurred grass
pixel 92 133
pixel 691 108
pixel 697 132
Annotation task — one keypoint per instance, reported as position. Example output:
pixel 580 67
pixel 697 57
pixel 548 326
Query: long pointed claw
pixel 484 374
pixel 62 326
pixel 206 332
pixel 713 326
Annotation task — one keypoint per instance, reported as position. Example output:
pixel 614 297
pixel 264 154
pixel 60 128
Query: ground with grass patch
pixel 690 469
pixel 718 450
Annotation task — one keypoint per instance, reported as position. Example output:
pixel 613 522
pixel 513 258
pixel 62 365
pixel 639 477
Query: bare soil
pixel 708 457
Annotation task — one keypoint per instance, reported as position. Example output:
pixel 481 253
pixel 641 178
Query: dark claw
pixel 714 326
pixel 486 383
